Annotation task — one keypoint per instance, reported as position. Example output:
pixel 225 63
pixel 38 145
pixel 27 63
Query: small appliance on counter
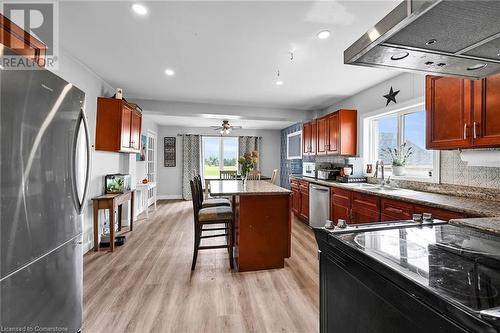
pixel 328 171
pixel 309 169
pixel 116 183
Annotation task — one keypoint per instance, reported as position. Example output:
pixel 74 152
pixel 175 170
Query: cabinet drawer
pixel 365 202
pixel 437 213
pixel 294 182
pixel 398 210
pixel 341 197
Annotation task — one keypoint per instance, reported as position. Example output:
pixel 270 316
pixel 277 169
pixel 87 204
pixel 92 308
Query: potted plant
pixel 399 157
pixel 247 163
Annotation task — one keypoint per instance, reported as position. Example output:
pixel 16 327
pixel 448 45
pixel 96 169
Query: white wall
pixel 170 179
pixel 103 163
pixel 411 87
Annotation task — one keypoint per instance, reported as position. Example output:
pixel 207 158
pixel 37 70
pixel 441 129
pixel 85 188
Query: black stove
pixel 459 264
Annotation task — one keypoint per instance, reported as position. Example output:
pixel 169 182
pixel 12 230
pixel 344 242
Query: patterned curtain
pixel 247 144
pixel 190 162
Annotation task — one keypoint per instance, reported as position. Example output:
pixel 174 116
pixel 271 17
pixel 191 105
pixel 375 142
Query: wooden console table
pixel 113 203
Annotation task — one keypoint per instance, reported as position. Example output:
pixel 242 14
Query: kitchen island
pixel 262 222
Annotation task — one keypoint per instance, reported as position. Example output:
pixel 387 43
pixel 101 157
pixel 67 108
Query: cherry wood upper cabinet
pixel 337 133
pixel 321 135
pixel 314 135
pixel 332 145
pixel 118 126
pixel 309 134
pixel 486 120
pixel 306 138
pixel 15 38
pixel 462 113
pixel 448 104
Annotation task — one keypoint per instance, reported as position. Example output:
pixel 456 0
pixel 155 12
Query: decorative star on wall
pixel 391 96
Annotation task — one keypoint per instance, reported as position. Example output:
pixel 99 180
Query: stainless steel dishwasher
pixel 319 205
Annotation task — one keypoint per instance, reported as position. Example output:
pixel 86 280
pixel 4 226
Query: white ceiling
pixel 179 121
pixel 225 52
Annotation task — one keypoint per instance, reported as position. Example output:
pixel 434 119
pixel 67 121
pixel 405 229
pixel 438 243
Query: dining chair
pixel 207 220
pixel 254 175
pixel 209 202
pixel 274 176
pixel 228 174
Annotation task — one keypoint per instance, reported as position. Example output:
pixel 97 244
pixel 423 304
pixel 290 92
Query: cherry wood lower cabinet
pixel 437 213
pixel 262 231
pixel 340 205
pixel 300 199
pixel 392 210
pixel 304 201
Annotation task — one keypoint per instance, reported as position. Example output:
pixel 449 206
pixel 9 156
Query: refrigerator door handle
pixel 81 124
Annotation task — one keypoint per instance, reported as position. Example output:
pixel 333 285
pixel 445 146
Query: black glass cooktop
pixel 458 263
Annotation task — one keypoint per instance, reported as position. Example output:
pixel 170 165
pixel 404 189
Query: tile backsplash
pixel 456 172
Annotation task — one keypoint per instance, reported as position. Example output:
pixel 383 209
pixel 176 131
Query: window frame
pixel 221 153
pixel 371 143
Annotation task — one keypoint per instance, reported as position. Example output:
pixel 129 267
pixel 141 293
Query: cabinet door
pixel 340 212
pixel 333 141
pixel 135 130
pixel 486 125
pixel 304 206
pixel 364 216
pixel 322 125
pixel 126 127
pixel 306 139
pixel 448 104
pixel 295 200
pixel 314 136
pixel 396 210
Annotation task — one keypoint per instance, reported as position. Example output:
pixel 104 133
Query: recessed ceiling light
pixel 323 34
pixel 279 83
pixel 169 72
pixel 139 9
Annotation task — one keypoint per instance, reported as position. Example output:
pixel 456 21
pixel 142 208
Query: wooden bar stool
pixel 203 218
pixel 210 202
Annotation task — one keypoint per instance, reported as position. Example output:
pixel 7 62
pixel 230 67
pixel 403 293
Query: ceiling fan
pixel 225 128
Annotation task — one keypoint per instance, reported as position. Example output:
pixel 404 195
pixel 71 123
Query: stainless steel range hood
pixel 441 37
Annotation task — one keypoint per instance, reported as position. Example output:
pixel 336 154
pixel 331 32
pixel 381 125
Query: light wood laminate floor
pixel 147 285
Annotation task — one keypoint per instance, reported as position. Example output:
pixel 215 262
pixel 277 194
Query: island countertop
pixel 252 187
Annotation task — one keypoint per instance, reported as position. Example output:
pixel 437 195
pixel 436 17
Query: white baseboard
pixel 169 197
pixel 87 246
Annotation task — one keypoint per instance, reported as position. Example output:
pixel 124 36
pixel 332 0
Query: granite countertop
pixel 469 206
pixel 487 224
pixel 252 187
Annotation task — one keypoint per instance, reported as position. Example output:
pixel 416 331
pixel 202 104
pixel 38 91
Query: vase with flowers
pixel 399 157
pixel 247 163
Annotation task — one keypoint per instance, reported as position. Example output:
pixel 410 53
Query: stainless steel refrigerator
pixel 44 172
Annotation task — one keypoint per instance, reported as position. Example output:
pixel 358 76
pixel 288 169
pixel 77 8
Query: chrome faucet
pixel 381 164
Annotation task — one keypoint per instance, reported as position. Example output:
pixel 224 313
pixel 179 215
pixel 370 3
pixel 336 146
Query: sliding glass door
pixel 219 153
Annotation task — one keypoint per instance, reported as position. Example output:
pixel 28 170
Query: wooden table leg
pixel 132 200
pixel 96 226
pixel 112 228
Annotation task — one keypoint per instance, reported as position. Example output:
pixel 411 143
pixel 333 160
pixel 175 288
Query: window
pixel 219 153
pixel 391 131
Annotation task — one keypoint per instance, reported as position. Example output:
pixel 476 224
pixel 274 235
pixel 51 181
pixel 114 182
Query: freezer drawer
pixel 46 293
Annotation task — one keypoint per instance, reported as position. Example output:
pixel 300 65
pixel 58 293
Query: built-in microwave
pixel 309 169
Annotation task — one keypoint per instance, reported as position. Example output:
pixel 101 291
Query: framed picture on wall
pixel 169 151
pixel 142 155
